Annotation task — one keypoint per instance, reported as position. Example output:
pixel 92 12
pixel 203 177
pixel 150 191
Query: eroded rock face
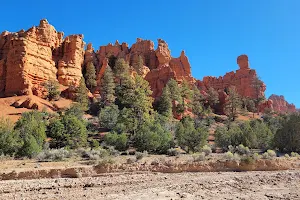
pixel 281 105
pixel 242 79
pixel 29 58
pixel 168 68
pixel 69 67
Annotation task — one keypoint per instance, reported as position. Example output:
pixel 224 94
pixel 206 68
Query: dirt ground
pixel 149 185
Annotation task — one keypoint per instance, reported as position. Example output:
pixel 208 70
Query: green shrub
pixel 52 88
pixel 32 130
pixel 119 141
pixel 286 155
pixel 287 138
pixel 199 157
pixel 173 152
pixel 248 159
pixel 241 149
pixel 94 154
pixel 108 116
pixel 206 149
pixel 256 156
pixel 269 154
pixel 152 138
pixel 294 154
pixel 228 155
pixel 75 132
pixel 10 140
pixel 53 155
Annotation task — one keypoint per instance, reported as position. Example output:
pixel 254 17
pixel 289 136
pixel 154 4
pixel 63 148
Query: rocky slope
pixel 29 58
pixel 281 105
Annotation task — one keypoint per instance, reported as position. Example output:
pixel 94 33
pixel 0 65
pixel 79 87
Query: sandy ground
pixel 221 185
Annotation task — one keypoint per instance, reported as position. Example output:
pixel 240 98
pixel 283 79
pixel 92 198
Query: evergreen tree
pixel 75 132
pixel 32 129
pixel 186 92
pixel 213 97
pixel 175 90
pixel 287 138
pixel 108 116
pixel 138 64
pixel 121 70
pixel 126 122
pixel 108 87
pixel 197 102
pixel 10 140
pixel 135 94
pixel 164 104
pixel 257 85
pixel 52 87
pixel 81 95
pixel 90 76
pixel 189 137
pixel 233 103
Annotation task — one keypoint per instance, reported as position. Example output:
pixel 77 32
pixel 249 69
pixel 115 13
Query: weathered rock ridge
pixel 29 58
pixel 159 65
pixel 242 79
pixel 281 105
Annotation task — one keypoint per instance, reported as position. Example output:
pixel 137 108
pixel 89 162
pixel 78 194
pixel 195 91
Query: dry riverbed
pixel 152 177
pixel 150 185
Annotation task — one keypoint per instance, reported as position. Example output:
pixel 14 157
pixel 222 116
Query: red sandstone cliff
pixel 281 105
pixel 29 58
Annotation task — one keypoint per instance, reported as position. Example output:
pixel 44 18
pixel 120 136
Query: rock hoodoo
pixel 242 79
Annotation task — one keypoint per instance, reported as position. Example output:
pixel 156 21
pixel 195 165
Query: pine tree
pixel 90 76
pixel 136 94
pixel 233 103
pixel 81 95
pixel 197 102
pixel 108 87
pixel 175 90
pixel 121 70
pixel 257 85
pixel 213 97
pixel 164 105
pixel 138 64
pixel 186 92
pixel 52 87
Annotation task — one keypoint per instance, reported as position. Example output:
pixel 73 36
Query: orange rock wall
pixel 281 105
pixel 242 79
pixel 29 58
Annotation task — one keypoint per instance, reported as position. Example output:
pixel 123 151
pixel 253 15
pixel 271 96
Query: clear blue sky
pixel 212 32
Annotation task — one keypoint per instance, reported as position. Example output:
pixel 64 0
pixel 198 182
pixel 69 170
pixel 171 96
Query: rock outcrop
pixel 29 58
pixel 243 79
pixel 281 105
pixel 168 68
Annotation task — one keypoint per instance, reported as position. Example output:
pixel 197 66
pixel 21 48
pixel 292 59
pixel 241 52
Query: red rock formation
pixel 159 66
pixel 29 58
pixel 144 48
pixel 281 105
pixel 242 79
pixel 168 68
pixel 69 67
